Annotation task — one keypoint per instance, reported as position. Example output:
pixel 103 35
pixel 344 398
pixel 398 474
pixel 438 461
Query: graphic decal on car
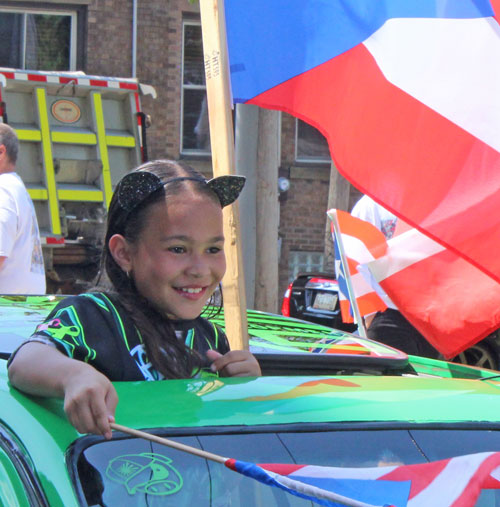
pixel 204 387
pixel 309 388
pixel 147 473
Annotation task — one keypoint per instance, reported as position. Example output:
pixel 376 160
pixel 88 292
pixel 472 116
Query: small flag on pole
pixel 456 482
pixel 361 243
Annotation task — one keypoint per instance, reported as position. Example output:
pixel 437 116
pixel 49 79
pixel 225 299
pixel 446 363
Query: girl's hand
pixel 89 397
pixel 236 363
pixel 90 401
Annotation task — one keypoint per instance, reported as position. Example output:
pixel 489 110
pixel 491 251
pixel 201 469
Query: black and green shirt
pixel 93 328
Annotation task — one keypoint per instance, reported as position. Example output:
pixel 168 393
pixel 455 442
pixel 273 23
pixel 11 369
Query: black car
pixel 315 297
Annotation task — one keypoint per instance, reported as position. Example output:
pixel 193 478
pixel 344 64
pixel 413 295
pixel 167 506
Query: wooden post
pixel 222 144
pixel 338 198
pixel 266 273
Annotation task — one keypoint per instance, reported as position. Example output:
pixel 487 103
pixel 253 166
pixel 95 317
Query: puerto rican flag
pixel 453 482
pixel 451 302
pixel 362 243
pixel 406 93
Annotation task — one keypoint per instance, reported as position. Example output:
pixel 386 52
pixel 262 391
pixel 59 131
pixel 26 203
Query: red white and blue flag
pixel 406 94
pixel 451 302
pixel 362 243
pixel 453 482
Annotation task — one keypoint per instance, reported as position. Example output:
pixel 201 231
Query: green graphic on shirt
pixel 67 329
pixel 147 473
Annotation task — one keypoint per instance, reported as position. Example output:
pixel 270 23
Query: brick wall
pixel 109 38
pixel 159 44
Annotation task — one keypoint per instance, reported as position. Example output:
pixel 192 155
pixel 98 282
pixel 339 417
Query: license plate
pixel 325 301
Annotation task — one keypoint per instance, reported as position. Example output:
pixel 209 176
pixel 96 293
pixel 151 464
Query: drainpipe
pixel 134 38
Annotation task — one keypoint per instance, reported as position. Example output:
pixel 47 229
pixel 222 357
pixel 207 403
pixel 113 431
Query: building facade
pixel 159 42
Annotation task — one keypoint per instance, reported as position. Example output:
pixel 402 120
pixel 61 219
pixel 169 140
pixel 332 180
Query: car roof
pixel 283 345
pixel 279 343
pixel 271 400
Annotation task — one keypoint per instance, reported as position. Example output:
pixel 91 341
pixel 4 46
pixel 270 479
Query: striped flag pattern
pixel 453 482
pixel 363 242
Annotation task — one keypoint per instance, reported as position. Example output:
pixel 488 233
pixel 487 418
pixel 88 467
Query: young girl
pixel 163 257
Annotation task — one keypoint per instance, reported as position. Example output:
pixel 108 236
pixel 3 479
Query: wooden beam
pixel 266 273
pixel 338 198
pixel 223 162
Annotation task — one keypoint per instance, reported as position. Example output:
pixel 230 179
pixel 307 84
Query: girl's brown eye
pixel 177 249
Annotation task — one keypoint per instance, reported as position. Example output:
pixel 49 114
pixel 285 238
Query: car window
pixel 135 472
pixel 458 442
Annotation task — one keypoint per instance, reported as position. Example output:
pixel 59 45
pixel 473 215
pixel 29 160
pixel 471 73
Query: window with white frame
pixel 304 262
pixel 310 144
pixel 195 133
pixel 38 39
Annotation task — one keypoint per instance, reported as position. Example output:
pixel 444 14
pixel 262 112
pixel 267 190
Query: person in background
pixel 21 259
pixel 163 258
pixel 390 326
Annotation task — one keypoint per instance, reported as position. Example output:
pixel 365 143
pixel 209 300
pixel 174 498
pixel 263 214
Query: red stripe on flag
pixel 421 475
pixel 457 304
pixel 496 7
pixel 373 239
pixel 282 469
pixel 480 480
pixel 375 128
pixel 345 311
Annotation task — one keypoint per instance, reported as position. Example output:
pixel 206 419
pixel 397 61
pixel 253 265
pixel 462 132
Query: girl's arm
pixel 89 397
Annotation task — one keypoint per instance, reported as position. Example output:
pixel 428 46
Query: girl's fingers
pixel 237 363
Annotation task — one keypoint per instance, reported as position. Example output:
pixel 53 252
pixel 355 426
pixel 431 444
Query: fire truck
pixel 79 134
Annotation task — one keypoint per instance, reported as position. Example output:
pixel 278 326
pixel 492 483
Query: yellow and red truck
pixel 79 134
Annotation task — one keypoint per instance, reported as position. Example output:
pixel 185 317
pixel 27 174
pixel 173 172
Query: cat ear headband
pixel 136 187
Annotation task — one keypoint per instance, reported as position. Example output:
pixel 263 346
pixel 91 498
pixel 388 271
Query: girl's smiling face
pixel 178 260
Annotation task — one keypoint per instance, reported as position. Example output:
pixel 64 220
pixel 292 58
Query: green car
pixel 325 398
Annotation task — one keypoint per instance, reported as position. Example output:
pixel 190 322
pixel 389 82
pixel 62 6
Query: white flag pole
pixel 332 214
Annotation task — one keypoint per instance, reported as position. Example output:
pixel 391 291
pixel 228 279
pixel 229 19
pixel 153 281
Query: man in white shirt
pixel 21 260
pixel 368 210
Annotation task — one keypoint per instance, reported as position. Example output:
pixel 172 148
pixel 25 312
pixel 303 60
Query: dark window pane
pixel 335 448
pixel 435 447
pixel 196 134
pixel 310 143
pixel 194 72
pixel 48 40
pixel 10 39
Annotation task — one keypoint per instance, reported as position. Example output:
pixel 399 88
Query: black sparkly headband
pixel 134 188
